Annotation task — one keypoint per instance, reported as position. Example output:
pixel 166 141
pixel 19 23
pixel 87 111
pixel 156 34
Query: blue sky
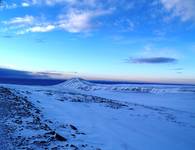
pixel 145 40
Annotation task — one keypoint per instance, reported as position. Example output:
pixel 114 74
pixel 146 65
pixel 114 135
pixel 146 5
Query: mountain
pixel 77 83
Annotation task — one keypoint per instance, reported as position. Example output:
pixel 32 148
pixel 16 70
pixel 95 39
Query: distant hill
pixel 30 81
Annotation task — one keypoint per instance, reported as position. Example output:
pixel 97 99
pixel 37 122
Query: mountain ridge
pixel 84 85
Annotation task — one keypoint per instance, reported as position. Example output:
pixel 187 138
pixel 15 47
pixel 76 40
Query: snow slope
pixel 114 119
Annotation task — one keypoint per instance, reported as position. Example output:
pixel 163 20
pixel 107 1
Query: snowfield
pixel 78 114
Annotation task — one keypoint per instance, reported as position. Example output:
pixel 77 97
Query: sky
pixel 132 40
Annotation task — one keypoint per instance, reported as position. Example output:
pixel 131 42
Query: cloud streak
pixel 20 20
pixel 43 28
pixel 12 73
pixel 20 74
pixel 152 60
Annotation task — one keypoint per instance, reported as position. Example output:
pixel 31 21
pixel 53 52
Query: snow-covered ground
pixel 117 117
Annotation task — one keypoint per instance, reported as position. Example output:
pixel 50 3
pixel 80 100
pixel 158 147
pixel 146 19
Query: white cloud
pixel 24 4
pixel 40 28
pixel 26 24
pixel 50 2
pixel 185 9
pixel 65 2
pixel 80 21
pixel 46 28
pixel 20 20
pixel 151 50
pixel 53 2
pixel 79 17
pixel 75 21
pixel 8 6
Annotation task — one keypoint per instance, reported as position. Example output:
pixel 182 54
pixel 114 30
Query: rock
pixel 73 146
pixel 38 101
pixel 43 142
pixel 40 142
pixel 52 133
pixel 73 135
pixel 73 127
pixel 59 137
pixel 83 145
pixel 81 133
pixel 54 148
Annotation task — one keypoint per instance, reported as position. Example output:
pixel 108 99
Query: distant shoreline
pixel 47 82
